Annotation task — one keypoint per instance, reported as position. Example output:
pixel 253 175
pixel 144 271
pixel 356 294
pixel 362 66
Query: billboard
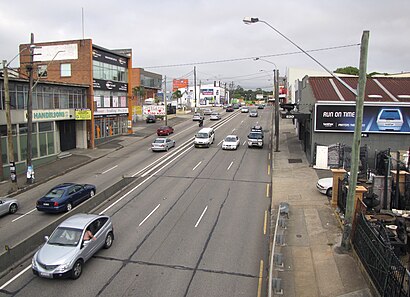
pixel 153 109
pixel 179 84
pixel 377 118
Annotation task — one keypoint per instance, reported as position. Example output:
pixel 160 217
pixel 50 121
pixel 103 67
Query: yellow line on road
pixel 260 279
pixel 267 190
pixel 265 223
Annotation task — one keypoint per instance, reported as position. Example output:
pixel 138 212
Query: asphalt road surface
pixel 195 223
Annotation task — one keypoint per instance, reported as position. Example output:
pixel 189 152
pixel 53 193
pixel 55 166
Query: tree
pixel 139 92
pixel 348 70
pixel 177 94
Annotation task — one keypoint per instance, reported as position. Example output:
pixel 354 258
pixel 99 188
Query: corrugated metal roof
pixel 378 89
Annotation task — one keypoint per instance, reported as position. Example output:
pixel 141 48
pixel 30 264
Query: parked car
pixel 229 109
pixel 253 113
pixel 8 205
pixel 207 111
pixel 231 142
pixel 65 251
pixel 245 109
pixel 162 144
pixel 64 197
pixel 197 117
pixel 165 130
pixel 324 185
pixel 151 118
pixel 215 116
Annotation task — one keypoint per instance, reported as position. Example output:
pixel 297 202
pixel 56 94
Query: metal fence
pixel 385 269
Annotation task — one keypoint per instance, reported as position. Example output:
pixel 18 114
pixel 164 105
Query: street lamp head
pixel 250 20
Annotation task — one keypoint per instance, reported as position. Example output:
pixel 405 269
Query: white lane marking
pixel 146 218
pixel 23 215
pixel 145 180
pixel 229 167
pixel 197 165
pixel 233 131
pixel 200 218
pixel 15 277
pixel 109 169
pixel 220 142
pixel 244 142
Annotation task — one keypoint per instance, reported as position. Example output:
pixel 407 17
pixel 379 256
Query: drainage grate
pixel 295 160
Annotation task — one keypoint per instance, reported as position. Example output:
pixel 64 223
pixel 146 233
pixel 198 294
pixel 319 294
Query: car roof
pixel 231 135
pixel 64 186
pixel 79 221
pixel 206 130
pixel 160 138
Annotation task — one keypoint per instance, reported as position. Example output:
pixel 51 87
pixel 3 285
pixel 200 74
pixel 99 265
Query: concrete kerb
pixel 23 250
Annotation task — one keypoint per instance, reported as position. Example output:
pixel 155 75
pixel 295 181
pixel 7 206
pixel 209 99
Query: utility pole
pixel 30 171
pixel 195 86
pixel 356 142
pixel 277 110
pixel 165 100
pixel 10 145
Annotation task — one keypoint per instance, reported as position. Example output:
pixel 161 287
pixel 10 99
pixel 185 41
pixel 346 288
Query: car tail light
pixel 55 203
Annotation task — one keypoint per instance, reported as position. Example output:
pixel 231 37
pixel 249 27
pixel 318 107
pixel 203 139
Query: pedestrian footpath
pixel 312 263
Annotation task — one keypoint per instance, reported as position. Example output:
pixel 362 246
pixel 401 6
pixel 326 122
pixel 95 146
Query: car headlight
pixel 63 267
pixel 34 262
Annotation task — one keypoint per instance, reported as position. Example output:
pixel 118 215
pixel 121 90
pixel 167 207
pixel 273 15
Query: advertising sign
pixel 179 84
pixel 108 85
pixel 153 109
pixel 50 115
pixel 207 91
pixel 55 52
pixel 82 114
pixel 109 58
pixel 377 118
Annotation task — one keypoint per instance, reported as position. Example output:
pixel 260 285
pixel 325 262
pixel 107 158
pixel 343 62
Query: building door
pixel 67 135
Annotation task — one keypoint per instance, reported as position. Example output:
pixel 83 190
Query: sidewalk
pixel 312 264
pixel 75 158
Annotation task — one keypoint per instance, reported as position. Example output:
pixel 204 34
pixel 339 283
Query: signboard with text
pixel 377 118
pixel 153 109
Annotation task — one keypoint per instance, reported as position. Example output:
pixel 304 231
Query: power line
pixel 250 58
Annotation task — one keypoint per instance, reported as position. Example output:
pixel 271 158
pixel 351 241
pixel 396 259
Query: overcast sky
pixel 211 35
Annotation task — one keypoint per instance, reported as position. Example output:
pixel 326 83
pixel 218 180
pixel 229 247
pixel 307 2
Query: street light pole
pixel 165 100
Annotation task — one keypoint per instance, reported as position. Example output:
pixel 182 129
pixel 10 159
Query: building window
pixel 42 71
pixel 65 70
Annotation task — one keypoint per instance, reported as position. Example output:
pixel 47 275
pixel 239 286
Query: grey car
pixel 162 144
pixel 8 205
pixel 65 251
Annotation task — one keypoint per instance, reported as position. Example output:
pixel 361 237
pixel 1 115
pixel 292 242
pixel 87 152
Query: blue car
pixel 64 197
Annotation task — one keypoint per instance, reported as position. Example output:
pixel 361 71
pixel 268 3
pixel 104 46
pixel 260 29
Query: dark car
pixel 229 109
pixel 64 197
pixel 260 106
pixel 151 118
pixel 165 130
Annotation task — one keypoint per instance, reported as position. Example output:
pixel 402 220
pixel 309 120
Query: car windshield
pixel 55 193
pixel 255 135
pixel 159 140
pixel 65 236
pixel 202 135
pixel 230 139
pixel 163 128
pixel 390 115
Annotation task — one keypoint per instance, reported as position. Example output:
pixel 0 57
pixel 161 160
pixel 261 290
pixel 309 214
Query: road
pixel 195 225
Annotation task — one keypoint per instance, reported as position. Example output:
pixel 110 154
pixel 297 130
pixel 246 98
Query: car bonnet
pixel 55 254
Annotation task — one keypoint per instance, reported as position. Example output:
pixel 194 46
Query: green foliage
pixel 348 70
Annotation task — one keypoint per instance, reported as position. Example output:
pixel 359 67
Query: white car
pixel 8 205
pixel 324 185
pixel 244 109
pixel 215 116
pixel 231 142
pixel 207 111
pixel 162 144
pixel 390 119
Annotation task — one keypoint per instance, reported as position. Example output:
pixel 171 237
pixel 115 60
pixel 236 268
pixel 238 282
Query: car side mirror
pixel 45 238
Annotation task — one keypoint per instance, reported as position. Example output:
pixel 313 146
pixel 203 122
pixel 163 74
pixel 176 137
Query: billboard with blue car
pixel 377 118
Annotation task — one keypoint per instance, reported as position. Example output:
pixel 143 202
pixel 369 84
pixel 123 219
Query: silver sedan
pixel 71 244
pixel 8 205
pixel 162 144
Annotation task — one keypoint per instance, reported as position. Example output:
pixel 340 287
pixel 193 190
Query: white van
pixel 205 137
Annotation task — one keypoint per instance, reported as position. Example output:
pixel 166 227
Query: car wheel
pixel 92 193
pixel 329 192
pixel 108 240
pixel 77 269
pixel 13 208
pixel 69 206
